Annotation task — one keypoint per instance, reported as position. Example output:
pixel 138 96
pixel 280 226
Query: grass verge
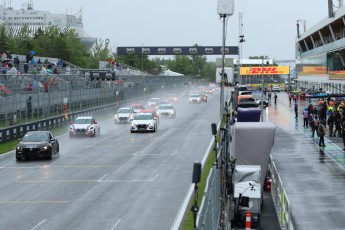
pixel 188 223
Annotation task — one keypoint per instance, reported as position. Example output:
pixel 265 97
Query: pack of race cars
pixel 143 119
pixel 42 144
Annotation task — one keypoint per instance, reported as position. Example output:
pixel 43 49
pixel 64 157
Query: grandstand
pixel 320 53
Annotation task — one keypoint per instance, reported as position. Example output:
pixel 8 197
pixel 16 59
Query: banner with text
pixel 269 70
pixel 178 50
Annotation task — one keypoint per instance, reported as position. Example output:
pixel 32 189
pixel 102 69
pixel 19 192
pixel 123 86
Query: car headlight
pixel 19 148
pixel 44 148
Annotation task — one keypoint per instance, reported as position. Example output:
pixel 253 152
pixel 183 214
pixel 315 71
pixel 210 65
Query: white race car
pixel 144 122
pixel 124 115
pixel 194 98
pixel 84 126
pixel 166 110
pixel 153 101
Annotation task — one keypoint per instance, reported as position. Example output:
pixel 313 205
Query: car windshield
pixel 154 99
pixel 124 111
pixel 35 137
pixel 83 121
pixel 137 106
pixel 194 95
pixel 143 117
pixel 165 107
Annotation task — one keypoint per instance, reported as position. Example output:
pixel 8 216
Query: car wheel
pixel 50 155
pixel 58 148
pixel 18 158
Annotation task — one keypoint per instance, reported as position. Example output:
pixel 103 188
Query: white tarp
pixel 252 143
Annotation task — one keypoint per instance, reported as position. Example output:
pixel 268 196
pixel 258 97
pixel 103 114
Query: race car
pixel 124 115
pixel 173 98
pixel 137 107
pixel 37 144
pixel 166 110
pixel 153 111
pixel 204 97
pixel 194 98
pixel 84 126
pixel 153 101
pixel 144 122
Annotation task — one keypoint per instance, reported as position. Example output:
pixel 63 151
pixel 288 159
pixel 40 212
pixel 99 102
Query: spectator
pixel 49 69
pixel 4 64
pixel 46 87
pixel 12 70
pixel 5 91
pixel 29 106
pixel 39 62
pixel 34 70
pixel 8 54
pixel 26 67
pixel 29 57
pixel 16 62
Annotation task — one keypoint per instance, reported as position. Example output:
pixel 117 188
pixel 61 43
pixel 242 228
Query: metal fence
pixel 81 93
pixel 209 213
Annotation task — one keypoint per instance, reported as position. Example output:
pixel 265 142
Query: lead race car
pixel 37 144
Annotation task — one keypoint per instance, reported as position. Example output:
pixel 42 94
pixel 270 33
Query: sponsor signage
pixel 314 69
pixel 269 70
pixel 178 50
pixel 336 75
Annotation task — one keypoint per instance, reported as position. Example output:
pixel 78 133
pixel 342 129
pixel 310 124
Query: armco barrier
pixel 280 199
pixel 209 213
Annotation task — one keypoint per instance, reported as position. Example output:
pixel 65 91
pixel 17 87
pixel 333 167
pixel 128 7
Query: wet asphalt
pixel 313 176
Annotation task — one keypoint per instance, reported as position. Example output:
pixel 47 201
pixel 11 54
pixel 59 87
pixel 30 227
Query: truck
pixel 228 75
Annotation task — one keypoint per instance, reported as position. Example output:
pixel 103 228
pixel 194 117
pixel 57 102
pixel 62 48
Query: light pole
pixel 262 87
pixel 224 9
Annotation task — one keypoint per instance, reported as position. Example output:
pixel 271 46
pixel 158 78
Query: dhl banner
pixel 269 70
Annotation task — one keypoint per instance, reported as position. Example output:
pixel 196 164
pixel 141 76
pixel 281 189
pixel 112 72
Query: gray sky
pixel 269 26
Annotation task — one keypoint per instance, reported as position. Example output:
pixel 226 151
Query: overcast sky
pixel 269 26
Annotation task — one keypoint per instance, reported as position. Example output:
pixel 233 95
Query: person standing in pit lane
pixel 315 125
pixel 305 117
pixel 342 124
pixel 295 106
pixel 322 133
pixel 337 121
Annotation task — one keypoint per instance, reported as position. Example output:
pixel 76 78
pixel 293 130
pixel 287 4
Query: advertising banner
pixel 267 70
pixel 178 50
